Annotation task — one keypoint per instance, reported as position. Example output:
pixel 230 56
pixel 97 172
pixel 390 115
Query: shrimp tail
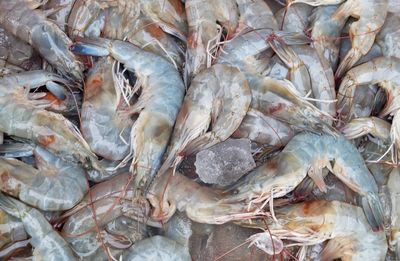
pixel 336 247
pixel 373 210
pixel 351 58
pixel 201 143
pixel 93 47
pixel 11 205
pixel 285 53
pixel 291 38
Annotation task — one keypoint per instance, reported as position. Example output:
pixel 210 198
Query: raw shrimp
pixel 48 244
pixel 264 130
pixel 124 21
pixel 384 71
pixel 168 14
pixel 105 128
pixel 21 117
pixel 309 223
pixel 109 202
pixel 218 97
pixel 49 40
pixel 362 126
pixel 158 105
pixel 55 185
pixel 321 77
pixel 309 154
pixel 17 52
pixel 279 99
pixel 11 229
pixel 326 33
pixel 371 15
pixel 157 248
pixel 205 33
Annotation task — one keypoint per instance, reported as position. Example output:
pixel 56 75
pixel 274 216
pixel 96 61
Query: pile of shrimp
pixel 104 105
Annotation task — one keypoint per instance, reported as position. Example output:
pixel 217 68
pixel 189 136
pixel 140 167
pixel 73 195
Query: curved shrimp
pixel 168 14
pixel 158 104
pixel 309 154
pixel 103 127
pixel 47 243
pixel 371 15
pixel 218 97
pixel 110 201
pixel 124 21
pixel 21 117
pixel 384 71
pixel 264 130
pixel 56 185
pixel 205 33
pixel 47 38
pixel 309 223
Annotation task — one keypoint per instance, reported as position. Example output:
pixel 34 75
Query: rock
pixel 226 162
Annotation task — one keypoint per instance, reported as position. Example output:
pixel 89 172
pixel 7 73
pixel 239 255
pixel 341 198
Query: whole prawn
pixel 157 107
pixel 55 185
pixel 371 15
pixel 31 26
pixel 218 97
pixel 309 223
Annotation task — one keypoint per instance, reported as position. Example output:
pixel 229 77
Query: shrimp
pixel 344 225
pixel 11 229
pixel 279 99
pixel 321 77
pixel 125 21
pixel 157 248
pixel 49 40
pixel 205 33
pixel 17 52
pixel 56 185
pixel 109 201
pixel 168 14
pixel 48 244
pixel 21 117
pixel 158 105
pixel 326 33
pixel 371 15
pixel 309 154
pixel 105 130
pixel 371 125
pixel 382 71
pixel 264 130
pixel 218 97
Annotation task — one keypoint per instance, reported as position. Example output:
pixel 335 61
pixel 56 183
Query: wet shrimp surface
pixel 200 130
